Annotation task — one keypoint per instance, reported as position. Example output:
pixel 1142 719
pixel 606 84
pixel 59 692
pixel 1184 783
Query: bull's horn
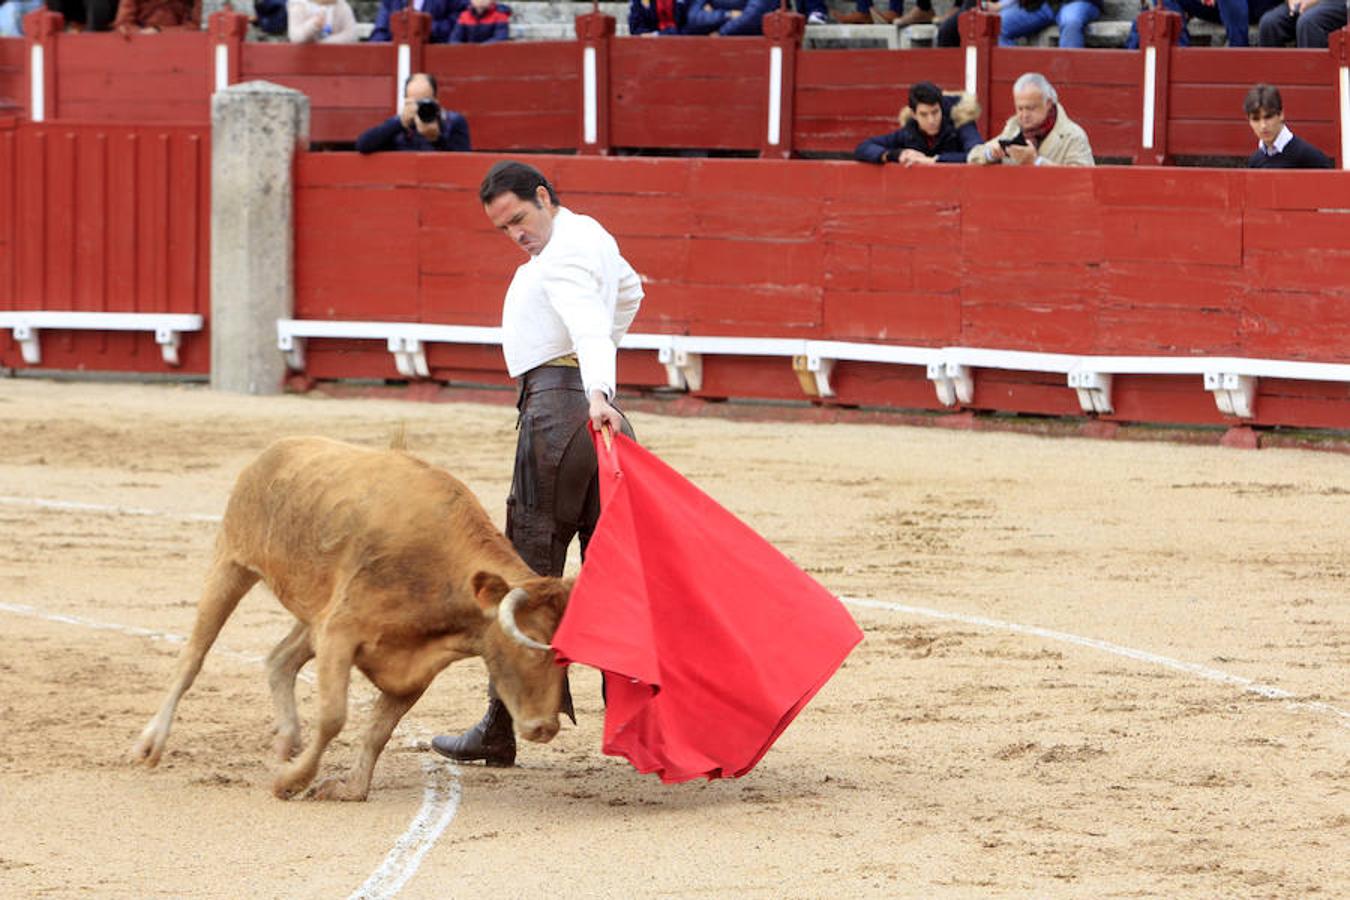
pixel 506 616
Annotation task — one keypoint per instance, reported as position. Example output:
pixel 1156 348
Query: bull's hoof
pixel 285 747
pixel 146 751
pixel 335 788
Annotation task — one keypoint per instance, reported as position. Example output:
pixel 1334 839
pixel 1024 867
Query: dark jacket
pixel 271 15
pixel 1297 154
pixel 491 25
pixel 642 17
pixel 955 138
pixel 443 15
pixel 391 135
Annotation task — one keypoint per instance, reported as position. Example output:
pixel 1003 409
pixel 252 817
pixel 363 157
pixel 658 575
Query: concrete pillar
pixel 256 128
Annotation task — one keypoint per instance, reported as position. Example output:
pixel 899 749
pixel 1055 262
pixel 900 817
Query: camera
pixel 428 111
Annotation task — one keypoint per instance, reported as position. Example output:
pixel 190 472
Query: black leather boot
pixel 492 740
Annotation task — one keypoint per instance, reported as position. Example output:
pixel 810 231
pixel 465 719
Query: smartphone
pixel 1019 139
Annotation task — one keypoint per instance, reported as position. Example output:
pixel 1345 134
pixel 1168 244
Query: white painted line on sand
pixel 440 802
pixel 75 506
pixel 440 796
pixel 1247 684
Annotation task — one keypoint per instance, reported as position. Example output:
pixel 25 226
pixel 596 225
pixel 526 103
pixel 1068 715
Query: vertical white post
pixel 1150 92
pixel 37 81
pixel 222 67
pixel 590 102
pixel 972 64
pixel 1345 117
pixel 775 95
pixel 404 72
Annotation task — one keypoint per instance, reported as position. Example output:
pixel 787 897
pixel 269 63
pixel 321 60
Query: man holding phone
pixel 1039 133
pixel 421 125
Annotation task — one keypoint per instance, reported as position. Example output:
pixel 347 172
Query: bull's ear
pixel 488 590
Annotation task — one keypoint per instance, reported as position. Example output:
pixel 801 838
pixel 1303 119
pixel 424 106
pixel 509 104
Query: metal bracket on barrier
pixel 813 373
pixel 27 336
pixel 1094 390
pixel 409 357
pixel 27 327
pixel 684 370
pixel 953 382
pixel 1234 394
pixel 294 348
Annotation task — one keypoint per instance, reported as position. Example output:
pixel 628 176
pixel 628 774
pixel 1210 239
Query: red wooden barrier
pixel 105 219
pixel 515 95
pixel 689 93
pixel 1129 261
pixel 138 79
pixel 350 88
pixel 13 75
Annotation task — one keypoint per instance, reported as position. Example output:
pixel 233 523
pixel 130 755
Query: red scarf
pixel 665 14
pixel 1038 134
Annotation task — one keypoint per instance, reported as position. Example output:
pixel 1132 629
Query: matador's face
pixel 528 223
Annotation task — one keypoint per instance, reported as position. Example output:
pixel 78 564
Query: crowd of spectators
pixel 1279 23
pixel 941 128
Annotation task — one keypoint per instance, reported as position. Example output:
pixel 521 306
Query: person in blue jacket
pixel 484 22
pixel 443 14
pixel 657 16
pixel 934 128
pixel 420 126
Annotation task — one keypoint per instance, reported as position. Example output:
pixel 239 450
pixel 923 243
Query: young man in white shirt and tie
pixel 565 312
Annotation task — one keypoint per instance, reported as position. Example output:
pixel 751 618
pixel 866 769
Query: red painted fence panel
pixel 138 78
pixel 515 95
pixel 1111 261
pixel 350 88
pixel 102 218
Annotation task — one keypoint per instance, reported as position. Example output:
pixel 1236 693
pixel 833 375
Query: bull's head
pixel 516 650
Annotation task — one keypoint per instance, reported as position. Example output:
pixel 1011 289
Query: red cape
pixel 710 640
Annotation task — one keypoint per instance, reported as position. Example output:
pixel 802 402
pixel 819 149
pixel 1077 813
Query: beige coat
pixel 1065 145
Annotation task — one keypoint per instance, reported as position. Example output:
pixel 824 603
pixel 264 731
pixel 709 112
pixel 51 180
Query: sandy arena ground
pixel 948 757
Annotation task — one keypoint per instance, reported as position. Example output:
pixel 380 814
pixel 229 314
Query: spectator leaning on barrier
pixel 1040 133
pixel 484 22
pixel 933 128
pixel 320 22
pixel 82 15
pixel 444 14
pixel 1236 16
pixel 949 26
pixel 656 16
pixel 421 125
pixel 730 18
pixel 1025 18
pixel 1277 147
pixel 149 16
pixel 1308 23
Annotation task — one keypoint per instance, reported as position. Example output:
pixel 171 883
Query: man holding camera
pixel 422 125
pixel 1039 133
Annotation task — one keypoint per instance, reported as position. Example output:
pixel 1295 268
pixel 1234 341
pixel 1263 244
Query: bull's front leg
pixel 355 785
pixel 335 652
pixel 283 665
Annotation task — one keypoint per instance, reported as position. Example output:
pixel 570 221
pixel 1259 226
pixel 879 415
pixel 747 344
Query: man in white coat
pixel 565 312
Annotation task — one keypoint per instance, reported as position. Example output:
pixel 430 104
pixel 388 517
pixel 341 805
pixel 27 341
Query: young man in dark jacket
pixel 443 14
pixel 421 125
pixel 934 128
pixel 659 16
pixel 1279 148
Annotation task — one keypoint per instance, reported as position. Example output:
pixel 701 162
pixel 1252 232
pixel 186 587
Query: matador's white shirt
pixel 577 296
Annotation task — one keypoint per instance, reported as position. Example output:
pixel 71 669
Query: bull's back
pixel 310 513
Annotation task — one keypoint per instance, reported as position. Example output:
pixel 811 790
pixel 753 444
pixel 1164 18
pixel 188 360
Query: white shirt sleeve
pixel 630 298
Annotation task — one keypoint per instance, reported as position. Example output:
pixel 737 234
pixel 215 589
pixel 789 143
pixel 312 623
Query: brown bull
pixel 389 564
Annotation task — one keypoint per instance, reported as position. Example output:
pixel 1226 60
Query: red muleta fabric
pixel 710 640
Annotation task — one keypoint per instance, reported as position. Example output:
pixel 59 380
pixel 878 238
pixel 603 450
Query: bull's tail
pixel 399 439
